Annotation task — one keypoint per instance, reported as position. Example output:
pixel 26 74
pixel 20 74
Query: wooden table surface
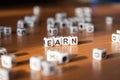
pixel 82 67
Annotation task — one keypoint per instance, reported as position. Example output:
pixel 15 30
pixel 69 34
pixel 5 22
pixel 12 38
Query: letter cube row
pixel 58 41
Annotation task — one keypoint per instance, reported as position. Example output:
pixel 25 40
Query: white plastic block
pixel 48 41
pixel 89 27
pixel 35 62
pixel 30 23
pixel 79 12
pixel 0 34
pixel 57 41
pixel 73 40
pixel 1 29
pixel 109 20
pixel 26 18
pixel 73 29
pixel 8 61
pixel 115 37
pixel 21 31
pixel 3 51
pixel 63 24
pixel 50 21
pixel 81 26
pixel 53 31
pixel 88 19
pixel 52 55
pixel 48 68
pixel 118 31
pixel 87 10
pixel 99 53
pixel 20 24
pixel 74 23
pixel 57 23
pixel 65 40
pixel 5 74
pixel 62 15
pixel 7 30
pixel 36 10
pixel 49 26
pixel 35 19
pixel 63 57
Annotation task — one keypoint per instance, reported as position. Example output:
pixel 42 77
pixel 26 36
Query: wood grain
pixel 82 67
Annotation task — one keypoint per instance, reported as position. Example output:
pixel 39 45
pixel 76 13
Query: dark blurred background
pixel 17 3
pixel 6 2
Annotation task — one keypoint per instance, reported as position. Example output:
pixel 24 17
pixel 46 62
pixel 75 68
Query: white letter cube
pixel 48 42
pixel 53 31
pixel 73 40
pixel 99 53
pixel 63 57
pixel 21 32
pixel 118 31
pixel 30 23
pixel 1 29
pixel 35 62
pixel 89 28
pixel 8 61
pixel 48 68
pixel 65 40
pixel 36 10
pixel 20 24
pixel 109 20
pixel 7 30
pixel 5 74
pixel 3 51
pixel 73 29
pixel 81 26
pixel 57 41
pixel 50 21
pixel 52 55
pixel 115 37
